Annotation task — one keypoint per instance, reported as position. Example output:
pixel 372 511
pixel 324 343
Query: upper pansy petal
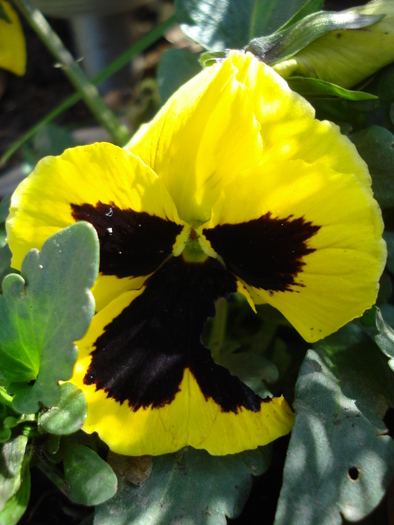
pixel 289 129
pixel 135 218
pixel 203 136
pixel 310 244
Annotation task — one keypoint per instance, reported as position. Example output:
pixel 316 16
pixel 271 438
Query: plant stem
pixel 74 72
pixel 118 63
pixel 218 327
pixel 52 474
pixel 5 399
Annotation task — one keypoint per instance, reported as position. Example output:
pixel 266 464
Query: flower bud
pixel 348 56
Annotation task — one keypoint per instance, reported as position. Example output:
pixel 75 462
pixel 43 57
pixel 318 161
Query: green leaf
pixel 341 457
pixel 5 253
pixel 17 504
pixel 12 455
pixel 385 289
pixel 5 434
pixel 253 369
pixel 376 146
pixel 52 446
pixel 313 87
pixel 225 24
pixel 374 324
pixel 383 84
pixel 4 16
pixel 208 59
pixel 389 238
pixel 69 413
pixel 46 315
pixel 176 67
pixel 90 479
pixel 5 208
pixel 187 487
pixel 286 43
pixel 5 262
pixel 51 139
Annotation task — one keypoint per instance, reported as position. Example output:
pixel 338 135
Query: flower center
pixel 192 251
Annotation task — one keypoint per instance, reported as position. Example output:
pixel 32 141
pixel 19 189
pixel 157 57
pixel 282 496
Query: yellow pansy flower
pixel 234 186
pixel 348 56
pixel 12 41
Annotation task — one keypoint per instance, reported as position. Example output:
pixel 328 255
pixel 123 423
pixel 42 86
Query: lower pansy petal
pixel 152 387
pixel 135 218
pixel 310 245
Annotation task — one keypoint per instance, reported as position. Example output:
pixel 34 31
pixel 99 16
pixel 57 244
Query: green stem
pixel 218 327
pixel 121 61
pixel 52 474
pixel 74 72
pixel 5 399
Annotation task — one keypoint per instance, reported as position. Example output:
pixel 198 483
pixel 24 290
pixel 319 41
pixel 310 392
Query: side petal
pixel 113 190
pixel 288 128
pixel 150 384
pixel 12 42
pixel 305 239
pixel 203 136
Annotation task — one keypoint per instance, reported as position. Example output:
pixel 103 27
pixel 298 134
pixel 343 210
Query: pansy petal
pixel 288 127
pixel 203 136
pixel 310 245
pixel 135 218
pixel 152 387
pixel 12 42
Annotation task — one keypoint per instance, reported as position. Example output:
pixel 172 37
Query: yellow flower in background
pixel 347 57
pixel 12 41
pixel 234 186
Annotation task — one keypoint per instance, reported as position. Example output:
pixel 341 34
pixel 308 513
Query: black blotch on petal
pixel 266 253
pixel 388 420
pixel 131 243
pixel 143 353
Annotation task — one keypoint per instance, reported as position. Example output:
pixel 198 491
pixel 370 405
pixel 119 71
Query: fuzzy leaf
pixel 176 67
pixel 12 454
pixel 341 456
pixel 46 314
pixel 17 504
pixel 230 24
pixel 90 479
pixel 375 146
pixel 187 487
pixel 69 413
